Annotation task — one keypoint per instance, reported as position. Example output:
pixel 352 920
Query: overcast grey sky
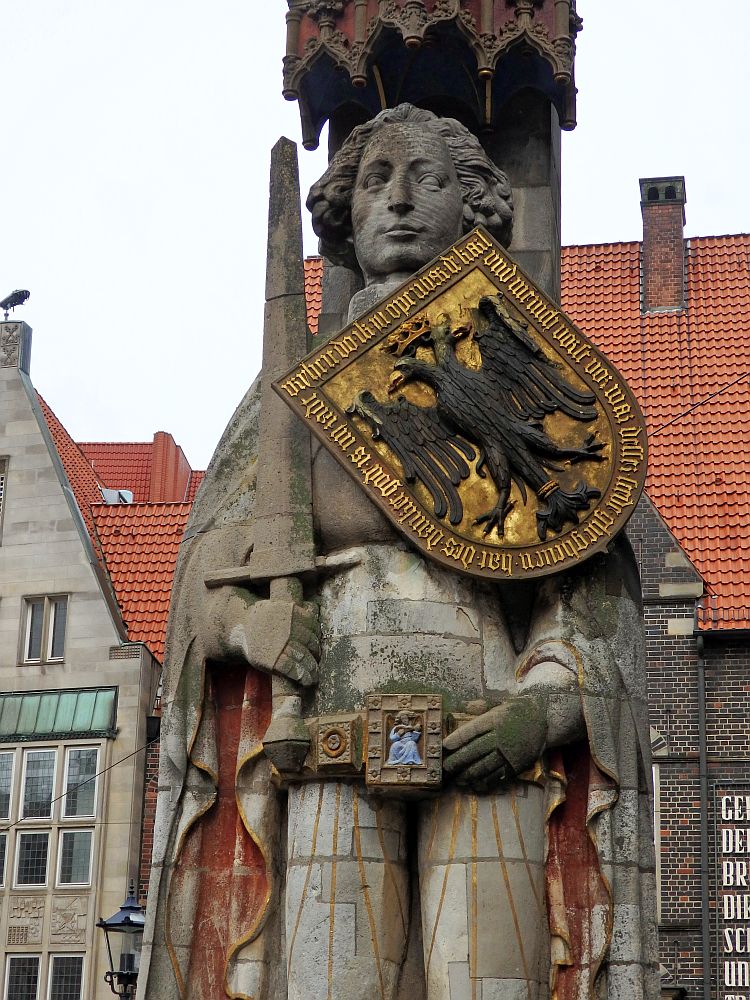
pixel 136 140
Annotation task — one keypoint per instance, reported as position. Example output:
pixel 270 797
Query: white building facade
pixel 74 699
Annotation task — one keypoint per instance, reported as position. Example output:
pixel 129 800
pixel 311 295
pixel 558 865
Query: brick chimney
pixel 663 248
pixel 170 470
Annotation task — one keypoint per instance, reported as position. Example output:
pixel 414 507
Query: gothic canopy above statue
pixel 460 57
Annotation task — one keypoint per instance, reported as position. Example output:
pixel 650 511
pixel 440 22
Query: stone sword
pixel 283 539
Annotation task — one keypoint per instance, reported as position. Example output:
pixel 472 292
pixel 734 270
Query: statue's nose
pixel 400 197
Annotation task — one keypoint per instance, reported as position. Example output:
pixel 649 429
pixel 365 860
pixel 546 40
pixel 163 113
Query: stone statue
pixel 531 874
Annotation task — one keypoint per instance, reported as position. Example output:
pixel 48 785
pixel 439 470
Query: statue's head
pixel 403 187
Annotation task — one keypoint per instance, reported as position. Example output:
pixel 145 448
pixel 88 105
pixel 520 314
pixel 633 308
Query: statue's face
pixel 406 204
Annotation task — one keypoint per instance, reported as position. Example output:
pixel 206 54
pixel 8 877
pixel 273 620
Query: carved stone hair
pixel 485 188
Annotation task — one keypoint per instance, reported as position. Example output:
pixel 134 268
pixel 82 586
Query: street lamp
pixel 127 924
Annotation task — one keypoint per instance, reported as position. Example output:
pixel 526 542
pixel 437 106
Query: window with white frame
pixel 6 783
pixel 80 781
pixel 49 844
pixel 38 783
pixel 22 977
pixel 66 977
pixel 45 622
pixel 74 864
pixel 32 858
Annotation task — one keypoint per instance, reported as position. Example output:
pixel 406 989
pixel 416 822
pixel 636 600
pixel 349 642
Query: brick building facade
pixel 674 316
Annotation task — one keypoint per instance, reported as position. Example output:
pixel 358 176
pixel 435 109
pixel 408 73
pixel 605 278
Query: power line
pixel 80 784
pixel 696 405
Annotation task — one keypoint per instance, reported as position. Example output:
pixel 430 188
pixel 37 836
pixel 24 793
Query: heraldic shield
pixel 475 414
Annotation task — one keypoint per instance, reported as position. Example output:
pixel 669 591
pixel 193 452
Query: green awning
pixel 77 713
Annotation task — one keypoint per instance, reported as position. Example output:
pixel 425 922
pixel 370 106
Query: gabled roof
pixel 699 474
pixel 140 542
pixel 136 543
pixel 82 478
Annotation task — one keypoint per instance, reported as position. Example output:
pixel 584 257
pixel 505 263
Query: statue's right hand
pixel 298 659
pixel 276 636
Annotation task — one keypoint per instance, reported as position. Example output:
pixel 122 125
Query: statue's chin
pixel 396 263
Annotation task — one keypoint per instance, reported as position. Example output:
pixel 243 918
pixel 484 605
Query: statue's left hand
pixel 473 757
pixel 491 749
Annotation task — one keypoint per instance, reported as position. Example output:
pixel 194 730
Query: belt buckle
pixel 404 744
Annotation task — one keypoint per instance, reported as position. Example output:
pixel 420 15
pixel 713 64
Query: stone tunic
pixel 388 613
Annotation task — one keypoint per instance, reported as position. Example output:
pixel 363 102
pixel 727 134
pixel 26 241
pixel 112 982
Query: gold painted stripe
pixel 511 901
pixel 191 739
pixel 313 848
pixel 256 751
pixel 302 801
pixel 597 964
pixel 474 901
pixel 431 841
pixel 207 769
pixel 522 842
pixel 199 714
pixel 366 892
pixel 260 921
pixel 389 870
pixel 167 924
pixel 332 906
pixel 451 855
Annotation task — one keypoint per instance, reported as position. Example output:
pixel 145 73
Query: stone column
pixel 526 145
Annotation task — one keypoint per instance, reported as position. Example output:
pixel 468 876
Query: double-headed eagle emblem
pixel 493 414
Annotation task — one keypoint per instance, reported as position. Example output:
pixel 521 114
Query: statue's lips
pixel 402 233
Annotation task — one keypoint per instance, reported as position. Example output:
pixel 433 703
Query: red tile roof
pixel 140 542
pixel 699 474
pixel 81 476
pixel 196 478
pixel 672 360
pixel 154 471
pixel 137 543
pixel 122 465
pixel 313 290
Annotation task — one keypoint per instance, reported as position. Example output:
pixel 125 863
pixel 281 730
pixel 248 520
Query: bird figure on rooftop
pixel 13 300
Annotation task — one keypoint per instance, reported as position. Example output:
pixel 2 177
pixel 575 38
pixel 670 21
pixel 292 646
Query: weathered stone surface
pixel 558 672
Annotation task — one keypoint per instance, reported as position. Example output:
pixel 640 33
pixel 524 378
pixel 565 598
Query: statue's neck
pixel 371 294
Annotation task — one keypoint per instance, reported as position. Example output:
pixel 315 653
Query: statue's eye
pixel 431 181
pixel 372 182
